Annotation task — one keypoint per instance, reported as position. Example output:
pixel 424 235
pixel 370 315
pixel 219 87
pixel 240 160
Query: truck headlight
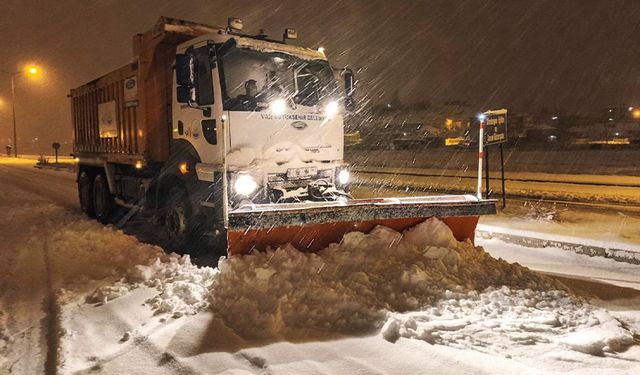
pixel 331 109
pixel 245 185
pixel 343 177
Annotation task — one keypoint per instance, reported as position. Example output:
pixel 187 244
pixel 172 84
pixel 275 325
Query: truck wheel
pixel 85 194
pixel 178 221
pixel 103 201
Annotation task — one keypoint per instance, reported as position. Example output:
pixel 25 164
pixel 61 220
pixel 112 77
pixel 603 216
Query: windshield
pixel 252 78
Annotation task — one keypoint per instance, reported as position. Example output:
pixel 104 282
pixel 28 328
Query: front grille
pixel 326 174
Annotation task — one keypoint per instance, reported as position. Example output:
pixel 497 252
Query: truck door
pixel 197 103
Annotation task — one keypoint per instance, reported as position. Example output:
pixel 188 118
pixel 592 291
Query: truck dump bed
pixel 125 116
pixel 104 122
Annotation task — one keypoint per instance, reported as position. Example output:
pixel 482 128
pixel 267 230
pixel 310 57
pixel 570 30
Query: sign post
pixel 495 132
pixel 480 156
pixel 56 147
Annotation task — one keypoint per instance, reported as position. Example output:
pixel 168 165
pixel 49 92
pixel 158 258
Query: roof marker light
pixel 289 34
pixel 234 24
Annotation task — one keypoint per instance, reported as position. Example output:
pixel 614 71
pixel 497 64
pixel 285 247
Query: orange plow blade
pixel 313 226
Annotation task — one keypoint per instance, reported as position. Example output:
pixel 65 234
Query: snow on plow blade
pixel 312 226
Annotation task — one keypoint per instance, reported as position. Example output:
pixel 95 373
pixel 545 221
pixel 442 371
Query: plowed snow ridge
pixel 422 284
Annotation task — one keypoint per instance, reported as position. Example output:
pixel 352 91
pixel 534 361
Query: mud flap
pixel 312 226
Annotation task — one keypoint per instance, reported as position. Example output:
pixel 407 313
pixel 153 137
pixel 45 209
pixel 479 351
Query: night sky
pixel 570 56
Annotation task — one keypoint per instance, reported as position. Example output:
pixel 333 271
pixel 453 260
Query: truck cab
pixel 267 116
pixel 207 121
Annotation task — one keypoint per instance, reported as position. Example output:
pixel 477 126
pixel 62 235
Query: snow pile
pixel 348 287
pixel 499 318
pixel 537 212
pixel 4 336
pixel 600 333
pixel 183 287
pixel 82 250
pixel 85 255
pixel 421 284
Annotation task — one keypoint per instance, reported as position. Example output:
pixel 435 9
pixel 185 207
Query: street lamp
pixel 30 71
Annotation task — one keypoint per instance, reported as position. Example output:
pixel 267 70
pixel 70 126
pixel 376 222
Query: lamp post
pixel 29 71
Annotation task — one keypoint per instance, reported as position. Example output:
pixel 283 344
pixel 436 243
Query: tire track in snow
pixel 160 357
pixel 255 362
pixel 52 319
pixel 28 288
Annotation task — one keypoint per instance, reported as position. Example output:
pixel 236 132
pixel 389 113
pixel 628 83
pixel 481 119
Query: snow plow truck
pixel 234 139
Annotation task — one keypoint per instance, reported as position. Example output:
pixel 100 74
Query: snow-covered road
pixel 77 297
pixel 47 185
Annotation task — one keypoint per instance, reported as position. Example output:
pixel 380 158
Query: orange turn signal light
pixel 184 167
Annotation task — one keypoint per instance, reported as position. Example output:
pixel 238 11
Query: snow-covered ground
pixel 566 263
pixel 78 297
pixel 610 228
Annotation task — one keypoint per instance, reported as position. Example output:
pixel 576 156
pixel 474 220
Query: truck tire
pixel 85 193
pixel 179 223
pixel 103 201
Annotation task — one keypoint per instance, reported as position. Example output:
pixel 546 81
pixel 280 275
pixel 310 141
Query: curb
pixel 620 255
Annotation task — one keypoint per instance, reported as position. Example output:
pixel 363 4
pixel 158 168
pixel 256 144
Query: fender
pixel 181 151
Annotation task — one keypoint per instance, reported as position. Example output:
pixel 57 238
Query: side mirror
pixel 193 78
pixel 349 87
pixel 349 104
pixel 183 70
pixel 204 79
pixel 185 89
pixel 349 82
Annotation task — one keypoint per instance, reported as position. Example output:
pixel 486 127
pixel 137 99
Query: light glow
pixel 32 71
pixel 184 167
pixel 344 176
pixel 331 109
pixel 245 185
pixel 139 164
pixel 278 107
